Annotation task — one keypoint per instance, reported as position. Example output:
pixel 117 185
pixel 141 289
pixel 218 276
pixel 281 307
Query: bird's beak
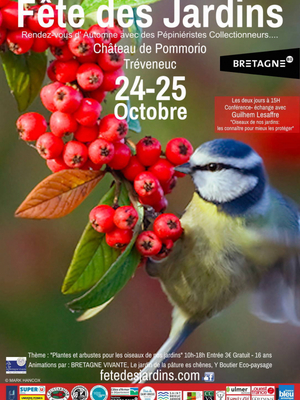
pixel 184 168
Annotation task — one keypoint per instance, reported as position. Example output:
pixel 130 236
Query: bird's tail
pixel 181 329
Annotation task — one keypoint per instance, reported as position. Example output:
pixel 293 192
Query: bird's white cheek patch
pixel 223 186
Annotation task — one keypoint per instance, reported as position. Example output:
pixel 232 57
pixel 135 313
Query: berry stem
pixel 131 192
pixel 118 183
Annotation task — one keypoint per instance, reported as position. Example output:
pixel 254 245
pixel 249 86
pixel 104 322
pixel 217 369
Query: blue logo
pixel 163 396
pixel 99 393
pixel 11 392
pixel 16 365
pixel 286 392
pixel 32 389
pixel 209 377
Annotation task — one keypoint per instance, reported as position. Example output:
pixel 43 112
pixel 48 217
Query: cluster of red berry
pixel 118 226
pixel 81 80
pixel 37 38
pixel 21 40
pixel 159 242
pixel 152 174
pixel 153 177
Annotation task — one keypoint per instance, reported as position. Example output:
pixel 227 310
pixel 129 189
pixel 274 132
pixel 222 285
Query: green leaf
pixel 92 256
pixel 93 5
pixel 91 260
pixel 25 74
pixel 116 276
pixel 136 30
pixel 112 282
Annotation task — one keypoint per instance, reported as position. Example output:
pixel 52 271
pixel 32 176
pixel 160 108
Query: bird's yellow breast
pixel 204 219
pixel 207 268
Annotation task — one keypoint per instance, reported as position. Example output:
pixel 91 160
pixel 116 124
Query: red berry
pixel 101 151
pixel 62 53
pixel 133 169
pixel 88 112
pixel 109 80
pixel 119 238
pixel 56 164
pixel 148 150
pixel 3 36
pixel 146 184
pixel 80 43
pixel 100 35
pixel 98 95
pixel 167 226
pixel 161 205
pixel 90 58
pixel 179 151
pixel 121 157
pixel 86 133
pixel 111 61
pixel 3 3
pixel 40 45
pixel 66 71
pixel 163 170
pixel 47 95
pixel 62 124
pixel 32 20
pixel 20 41
pixel 89 165
pixel 165 250
pixel 10 16
pixel 112 128
pixel 169 186
pixel 102 218
pixel 51 71
pixel 115 32
pixel 126 217
pixel 153 199
pixel 0 18
pixel 75 154
pixel 49 146
pixel 179 174
pixel 67 99
pixel 148 243
pixel 31 126
pixel 89 76
pixel 57 36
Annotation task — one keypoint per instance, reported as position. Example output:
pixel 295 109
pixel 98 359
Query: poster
pixel 195 70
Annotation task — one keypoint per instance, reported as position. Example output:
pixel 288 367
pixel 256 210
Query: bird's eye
pixel 213 167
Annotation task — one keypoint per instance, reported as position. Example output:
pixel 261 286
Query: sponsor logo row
pixel 99 392
pixel 79 392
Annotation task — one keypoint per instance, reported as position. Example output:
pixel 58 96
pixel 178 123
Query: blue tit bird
pixel 239 234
